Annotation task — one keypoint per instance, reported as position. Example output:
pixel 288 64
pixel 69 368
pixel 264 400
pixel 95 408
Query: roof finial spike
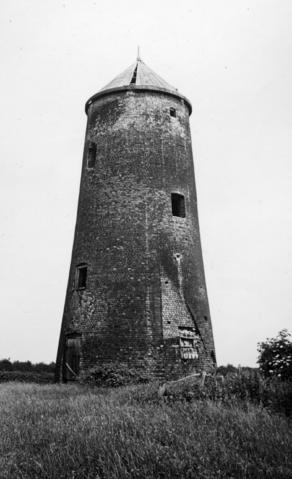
pixel 138 54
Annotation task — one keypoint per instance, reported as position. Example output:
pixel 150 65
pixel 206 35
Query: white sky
pixel 232 59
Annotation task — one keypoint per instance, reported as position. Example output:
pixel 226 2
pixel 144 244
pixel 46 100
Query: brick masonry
pixel 145 300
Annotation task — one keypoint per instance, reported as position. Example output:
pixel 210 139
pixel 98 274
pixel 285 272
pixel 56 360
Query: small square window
pixel 91 155
pixel 81 276
pixel 172 112
pixel 178 205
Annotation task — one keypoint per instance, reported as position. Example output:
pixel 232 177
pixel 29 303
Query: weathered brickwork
pixel 145 299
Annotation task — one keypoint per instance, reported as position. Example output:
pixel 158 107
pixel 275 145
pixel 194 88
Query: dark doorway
pixel 72 358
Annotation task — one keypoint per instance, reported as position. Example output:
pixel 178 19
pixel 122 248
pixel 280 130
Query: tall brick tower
pixel 136 292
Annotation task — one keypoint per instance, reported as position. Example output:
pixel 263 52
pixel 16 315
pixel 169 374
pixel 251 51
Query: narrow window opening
pixel 213 356
pixel 172 112
pixel 91 155
pixel 133 79
pixel 81 276
pixel 206 318
pixel 178 205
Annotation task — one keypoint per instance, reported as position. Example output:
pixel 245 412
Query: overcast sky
pixel 232 59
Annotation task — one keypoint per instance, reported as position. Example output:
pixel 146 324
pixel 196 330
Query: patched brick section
pixel 130 241
pixel 174 311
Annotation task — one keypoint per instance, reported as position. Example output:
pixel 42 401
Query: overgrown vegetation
pixel 113 375
pixel 244 386
pixel 235 424
pixel 60 432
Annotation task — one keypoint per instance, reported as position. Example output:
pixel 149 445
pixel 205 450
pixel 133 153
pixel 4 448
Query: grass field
pixel 58 431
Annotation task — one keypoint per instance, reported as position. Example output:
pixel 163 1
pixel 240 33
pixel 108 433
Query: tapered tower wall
pixel 145 300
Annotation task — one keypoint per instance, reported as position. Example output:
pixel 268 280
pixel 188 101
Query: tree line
pixel 26 366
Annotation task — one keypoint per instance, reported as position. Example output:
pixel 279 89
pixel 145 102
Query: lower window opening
pixel 178 205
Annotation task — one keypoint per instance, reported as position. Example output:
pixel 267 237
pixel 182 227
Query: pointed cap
pixel 138 76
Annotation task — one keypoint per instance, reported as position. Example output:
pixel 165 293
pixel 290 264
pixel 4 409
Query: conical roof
pixel 139 74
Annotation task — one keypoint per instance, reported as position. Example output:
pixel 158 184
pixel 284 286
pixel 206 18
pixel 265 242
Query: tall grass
pixel 56 431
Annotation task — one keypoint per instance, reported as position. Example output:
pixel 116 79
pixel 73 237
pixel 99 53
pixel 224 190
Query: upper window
pixel 178 205
pixel 91 155
pixel 172 112
pixel 81 276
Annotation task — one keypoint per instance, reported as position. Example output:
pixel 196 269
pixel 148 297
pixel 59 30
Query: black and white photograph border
pixel 146 239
